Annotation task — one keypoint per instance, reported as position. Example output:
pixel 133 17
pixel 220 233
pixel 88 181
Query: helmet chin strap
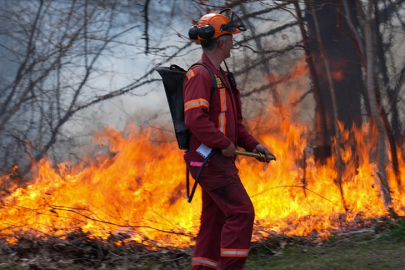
pixel 231 78
pixel 227 69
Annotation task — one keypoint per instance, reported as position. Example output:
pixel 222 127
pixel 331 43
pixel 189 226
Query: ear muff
pixel 193 32
pixel 206 31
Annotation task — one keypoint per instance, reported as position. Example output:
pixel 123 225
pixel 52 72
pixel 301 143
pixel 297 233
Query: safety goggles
pixel 234 21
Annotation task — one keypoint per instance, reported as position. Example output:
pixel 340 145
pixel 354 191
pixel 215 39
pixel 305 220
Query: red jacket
pixel 215 120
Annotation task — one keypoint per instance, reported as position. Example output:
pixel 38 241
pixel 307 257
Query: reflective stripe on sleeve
pixel 234 252
pixel 190 74
pixel 196 103
pixel 205 262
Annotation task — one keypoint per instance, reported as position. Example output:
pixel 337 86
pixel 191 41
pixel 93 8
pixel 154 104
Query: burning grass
pixel 138 189
pixel 127 208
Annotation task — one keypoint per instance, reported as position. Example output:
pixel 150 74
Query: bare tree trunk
pixel 393 146
pixel 323 148
pixel 393 127
pixel 349 84
pixel 373 106
pixel 334 105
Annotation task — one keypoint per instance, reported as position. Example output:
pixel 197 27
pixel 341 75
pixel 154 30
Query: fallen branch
pixel 115 224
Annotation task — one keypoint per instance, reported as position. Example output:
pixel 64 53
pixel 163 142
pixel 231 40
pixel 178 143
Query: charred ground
pixel 379 246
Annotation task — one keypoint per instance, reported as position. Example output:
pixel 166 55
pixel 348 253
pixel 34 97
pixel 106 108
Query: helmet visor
pixel 234 21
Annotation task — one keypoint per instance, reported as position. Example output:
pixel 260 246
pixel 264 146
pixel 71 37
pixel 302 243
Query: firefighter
pixel 215 121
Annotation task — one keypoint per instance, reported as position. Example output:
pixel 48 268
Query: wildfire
pixel 138 188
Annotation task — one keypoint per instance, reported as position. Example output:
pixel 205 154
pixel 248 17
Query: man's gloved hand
pixel 262 149
pixel 229 152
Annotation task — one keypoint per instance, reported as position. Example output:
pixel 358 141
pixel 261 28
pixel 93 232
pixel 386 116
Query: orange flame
pixel 139 187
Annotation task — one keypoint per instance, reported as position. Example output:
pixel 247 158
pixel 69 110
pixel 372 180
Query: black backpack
pixel 173 79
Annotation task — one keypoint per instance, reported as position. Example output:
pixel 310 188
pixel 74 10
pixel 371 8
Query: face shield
pixel 234 21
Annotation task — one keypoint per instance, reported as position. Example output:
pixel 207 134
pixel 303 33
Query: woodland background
pixel 69 68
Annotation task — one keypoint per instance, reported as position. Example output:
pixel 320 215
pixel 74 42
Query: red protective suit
pixel 227 212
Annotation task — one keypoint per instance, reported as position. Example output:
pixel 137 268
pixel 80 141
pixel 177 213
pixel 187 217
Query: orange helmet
pixel 213 25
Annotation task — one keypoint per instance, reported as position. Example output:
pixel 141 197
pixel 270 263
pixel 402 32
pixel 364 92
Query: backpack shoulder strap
pixel 213 79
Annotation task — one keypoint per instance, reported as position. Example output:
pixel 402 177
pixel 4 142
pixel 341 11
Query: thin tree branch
pixel 303 186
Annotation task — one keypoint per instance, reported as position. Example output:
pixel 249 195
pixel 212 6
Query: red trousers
pixel 226 220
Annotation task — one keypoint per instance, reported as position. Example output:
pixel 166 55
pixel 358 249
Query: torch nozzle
pixel 255 155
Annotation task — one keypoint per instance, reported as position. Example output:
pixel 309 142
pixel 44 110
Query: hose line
pixel 190 196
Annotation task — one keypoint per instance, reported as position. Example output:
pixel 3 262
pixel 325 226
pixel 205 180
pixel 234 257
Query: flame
pixel 338 75
pixel 138 187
